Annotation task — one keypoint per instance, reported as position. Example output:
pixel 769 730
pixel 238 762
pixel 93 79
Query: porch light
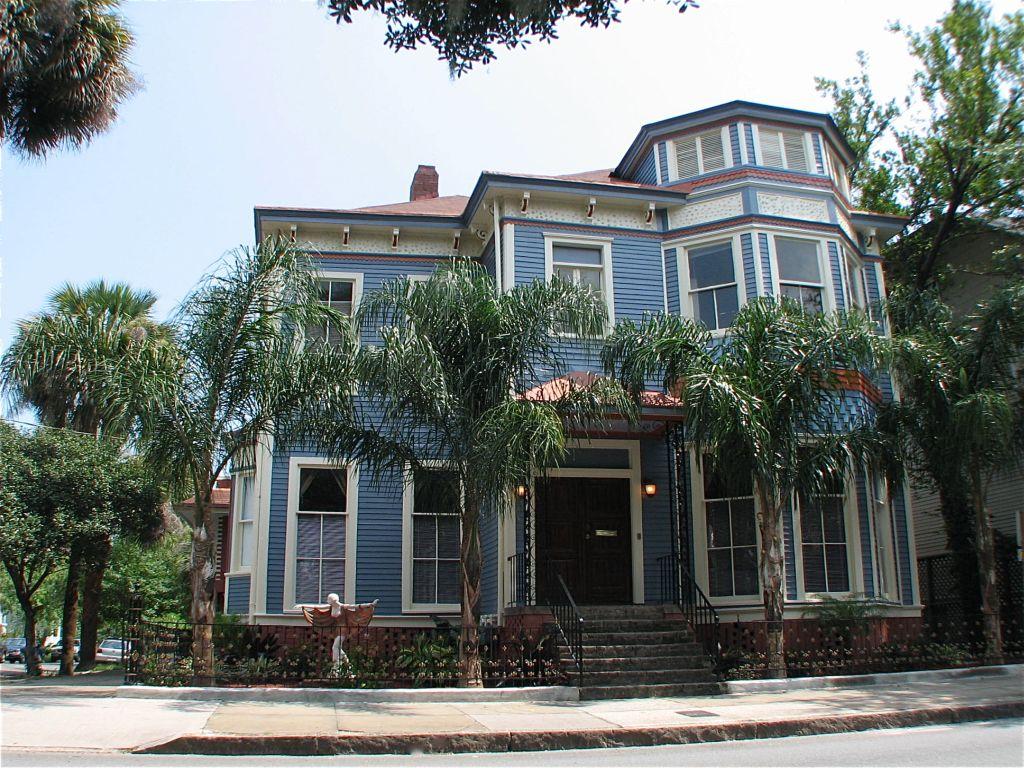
pixel 521 491
pixel 650 489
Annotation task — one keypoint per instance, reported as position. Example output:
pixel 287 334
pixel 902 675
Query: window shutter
pixel 712 151
pixel 796 151
pixel 686 157
pixel 771 148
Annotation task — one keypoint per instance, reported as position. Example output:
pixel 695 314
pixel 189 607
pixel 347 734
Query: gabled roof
pixel 661 128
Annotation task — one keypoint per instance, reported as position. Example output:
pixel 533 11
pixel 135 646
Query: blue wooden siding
pixel 734 142
pixel 657 524
pixel 647 173
pixel 491 567
pixel 904 556
pixel 663 162
pixel 749 275
pixel 748 133
pixel 789 545
pixel 238 595
pixel 487 259
pixel 864 520
pixel 672 280
pixel 837 276
pixel 819 163
pixel 766 265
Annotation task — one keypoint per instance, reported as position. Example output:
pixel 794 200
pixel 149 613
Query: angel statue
pixel 339 616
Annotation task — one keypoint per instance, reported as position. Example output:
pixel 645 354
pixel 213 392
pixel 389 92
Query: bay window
pixel 714 293
pixel 800 273
pixel 783 149
pixel 700 153
pixel 823 540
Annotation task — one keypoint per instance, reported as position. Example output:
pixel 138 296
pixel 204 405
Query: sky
pixel 272 103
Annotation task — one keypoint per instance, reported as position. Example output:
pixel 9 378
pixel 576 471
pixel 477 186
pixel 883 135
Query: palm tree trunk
pixel 983 538
pixel 69 621
pixel 92 591
pixel 201 579
pixel 772 564
pixel 471 674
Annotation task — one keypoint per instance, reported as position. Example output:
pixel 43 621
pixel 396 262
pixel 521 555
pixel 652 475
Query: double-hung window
pixel 839 174
pixel 245 520
pixel 339 295
pixel 731 535
pixel 582 265
pixel 800 274
pixel 700 153
pixel 854 278
pixel 823 540
pixel 320 524
pixel 714 294
pixel 783 149
pixel 435 538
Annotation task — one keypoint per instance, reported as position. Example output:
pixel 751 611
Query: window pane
pixel 424 536
pixel 322 490
pixel 796 151
pixel 424 583
pixel 448 581
pixel 448 543
pixel 728 304
pixel 712 152
pixel 590 278
pixel 434 493
pixel 838 574
pixel 686 156
pixel 711 265
pixel 247 544
pixel 324 291
pixel 743 523
pixel 745 567
pixel 771 148
pixel 810 521
pixel 718 523
pixel 307 584
pixel 341 290
pixel 316 332
pixel 832 514
pixel 808 298
pixel 333 536
pixel 247 503
pixel 308 536
pixel 332 578
pixel 705 308
pixel 575 254
pixel 719 486
pixel 720 572
pixel 798 260
pixel 814 568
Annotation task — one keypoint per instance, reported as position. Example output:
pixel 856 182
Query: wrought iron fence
pixel 518 569
pixel 374 657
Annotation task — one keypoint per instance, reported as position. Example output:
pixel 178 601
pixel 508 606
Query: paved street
pixel 997 743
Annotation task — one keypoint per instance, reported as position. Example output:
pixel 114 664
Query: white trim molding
pixel 408 505
pixel 552 239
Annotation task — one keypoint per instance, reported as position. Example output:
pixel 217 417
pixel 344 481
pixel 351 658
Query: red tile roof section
pixel 449 205
pixel 220 498
pixel 551 391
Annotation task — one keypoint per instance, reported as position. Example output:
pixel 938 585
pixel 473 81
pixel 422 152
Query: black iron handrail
pixel 678 587
pixel 519 593
pixel 567 616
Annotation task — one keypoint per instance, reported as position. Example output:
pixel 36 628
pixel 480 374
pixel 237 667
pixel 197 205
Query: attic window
pixel 783 149
pixel 700 153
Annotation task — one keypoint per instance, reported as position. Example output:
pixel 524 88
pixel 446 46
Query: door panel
pixel 584 533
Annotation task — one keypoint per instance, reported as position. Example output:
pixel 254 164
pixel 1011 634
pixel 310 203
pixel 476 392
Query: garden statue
pixel 337 615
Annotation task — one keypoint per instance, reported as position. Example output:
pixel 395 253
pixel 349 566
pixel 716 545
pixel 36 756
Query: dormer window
pixel 784 149
pixel 700 153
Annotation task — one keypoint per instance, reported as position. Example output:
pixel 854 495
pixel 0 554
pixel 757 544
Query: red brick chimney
pixel 424 183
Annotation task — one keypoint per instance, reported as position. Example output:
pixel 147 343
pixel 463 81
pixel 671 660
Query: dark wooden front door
pixel 583 532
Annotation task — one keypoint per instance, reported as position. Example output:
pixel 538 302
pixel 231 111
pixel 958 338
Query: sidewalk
pixel 98 718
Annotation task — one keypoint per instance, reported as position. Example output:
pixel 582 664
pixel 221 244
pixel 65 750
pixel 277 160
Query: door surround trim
pixel 636 516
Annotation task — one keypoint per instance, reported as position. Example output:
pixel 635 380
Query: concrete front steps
pixel 635 651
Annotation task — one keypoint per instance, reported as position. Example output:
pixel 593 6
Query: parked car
pixel 15 650
pixel 53 653
pixel 110 650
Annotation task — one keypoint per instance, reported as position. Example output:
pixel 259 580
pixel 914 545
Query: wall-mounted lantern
pixel 650 489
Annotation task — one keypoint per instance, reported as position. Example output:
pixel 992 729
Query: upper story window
pixel 856 289
pixel 245 521
pixel 714 293
pixel 341 295
pixel 839 174
pixel 320 534
pixel 784 149
pixel 800 273
pixel 700 153
pixel 583 262
pixel 731 534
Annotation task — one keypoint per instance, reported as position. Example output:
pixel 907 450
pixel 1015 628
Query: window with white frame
pixel 245 520
pixel 582 265
pixel 823 540
pixel 839 174
pixel 714 293
pixel 700 153
pixel 800 273
pixel 320 530
pixel 885 542
pixel 731 534
pixel 435 538
pixel 783 149
pixel 339 295
pixel 853 275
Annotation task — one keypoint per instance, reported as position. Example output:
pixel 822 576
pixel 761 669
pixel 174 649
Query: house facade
pixel 703 213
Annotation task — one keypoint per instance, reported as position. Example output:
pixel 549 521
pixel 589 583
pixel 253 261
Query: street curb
pixel 511 741
pixel 779 685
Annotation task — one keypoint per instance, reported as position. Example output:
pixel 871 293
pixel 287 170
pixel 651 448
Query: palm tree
pixel 960 420
pixel 63 72
pixel 246 375
pixel 453 355
pixel 761 403
pixel 72 366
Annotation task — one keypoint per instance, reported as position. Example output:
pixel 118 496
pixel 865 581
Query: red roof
pixel 220 498
pixel 551 391
pixel 449 205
